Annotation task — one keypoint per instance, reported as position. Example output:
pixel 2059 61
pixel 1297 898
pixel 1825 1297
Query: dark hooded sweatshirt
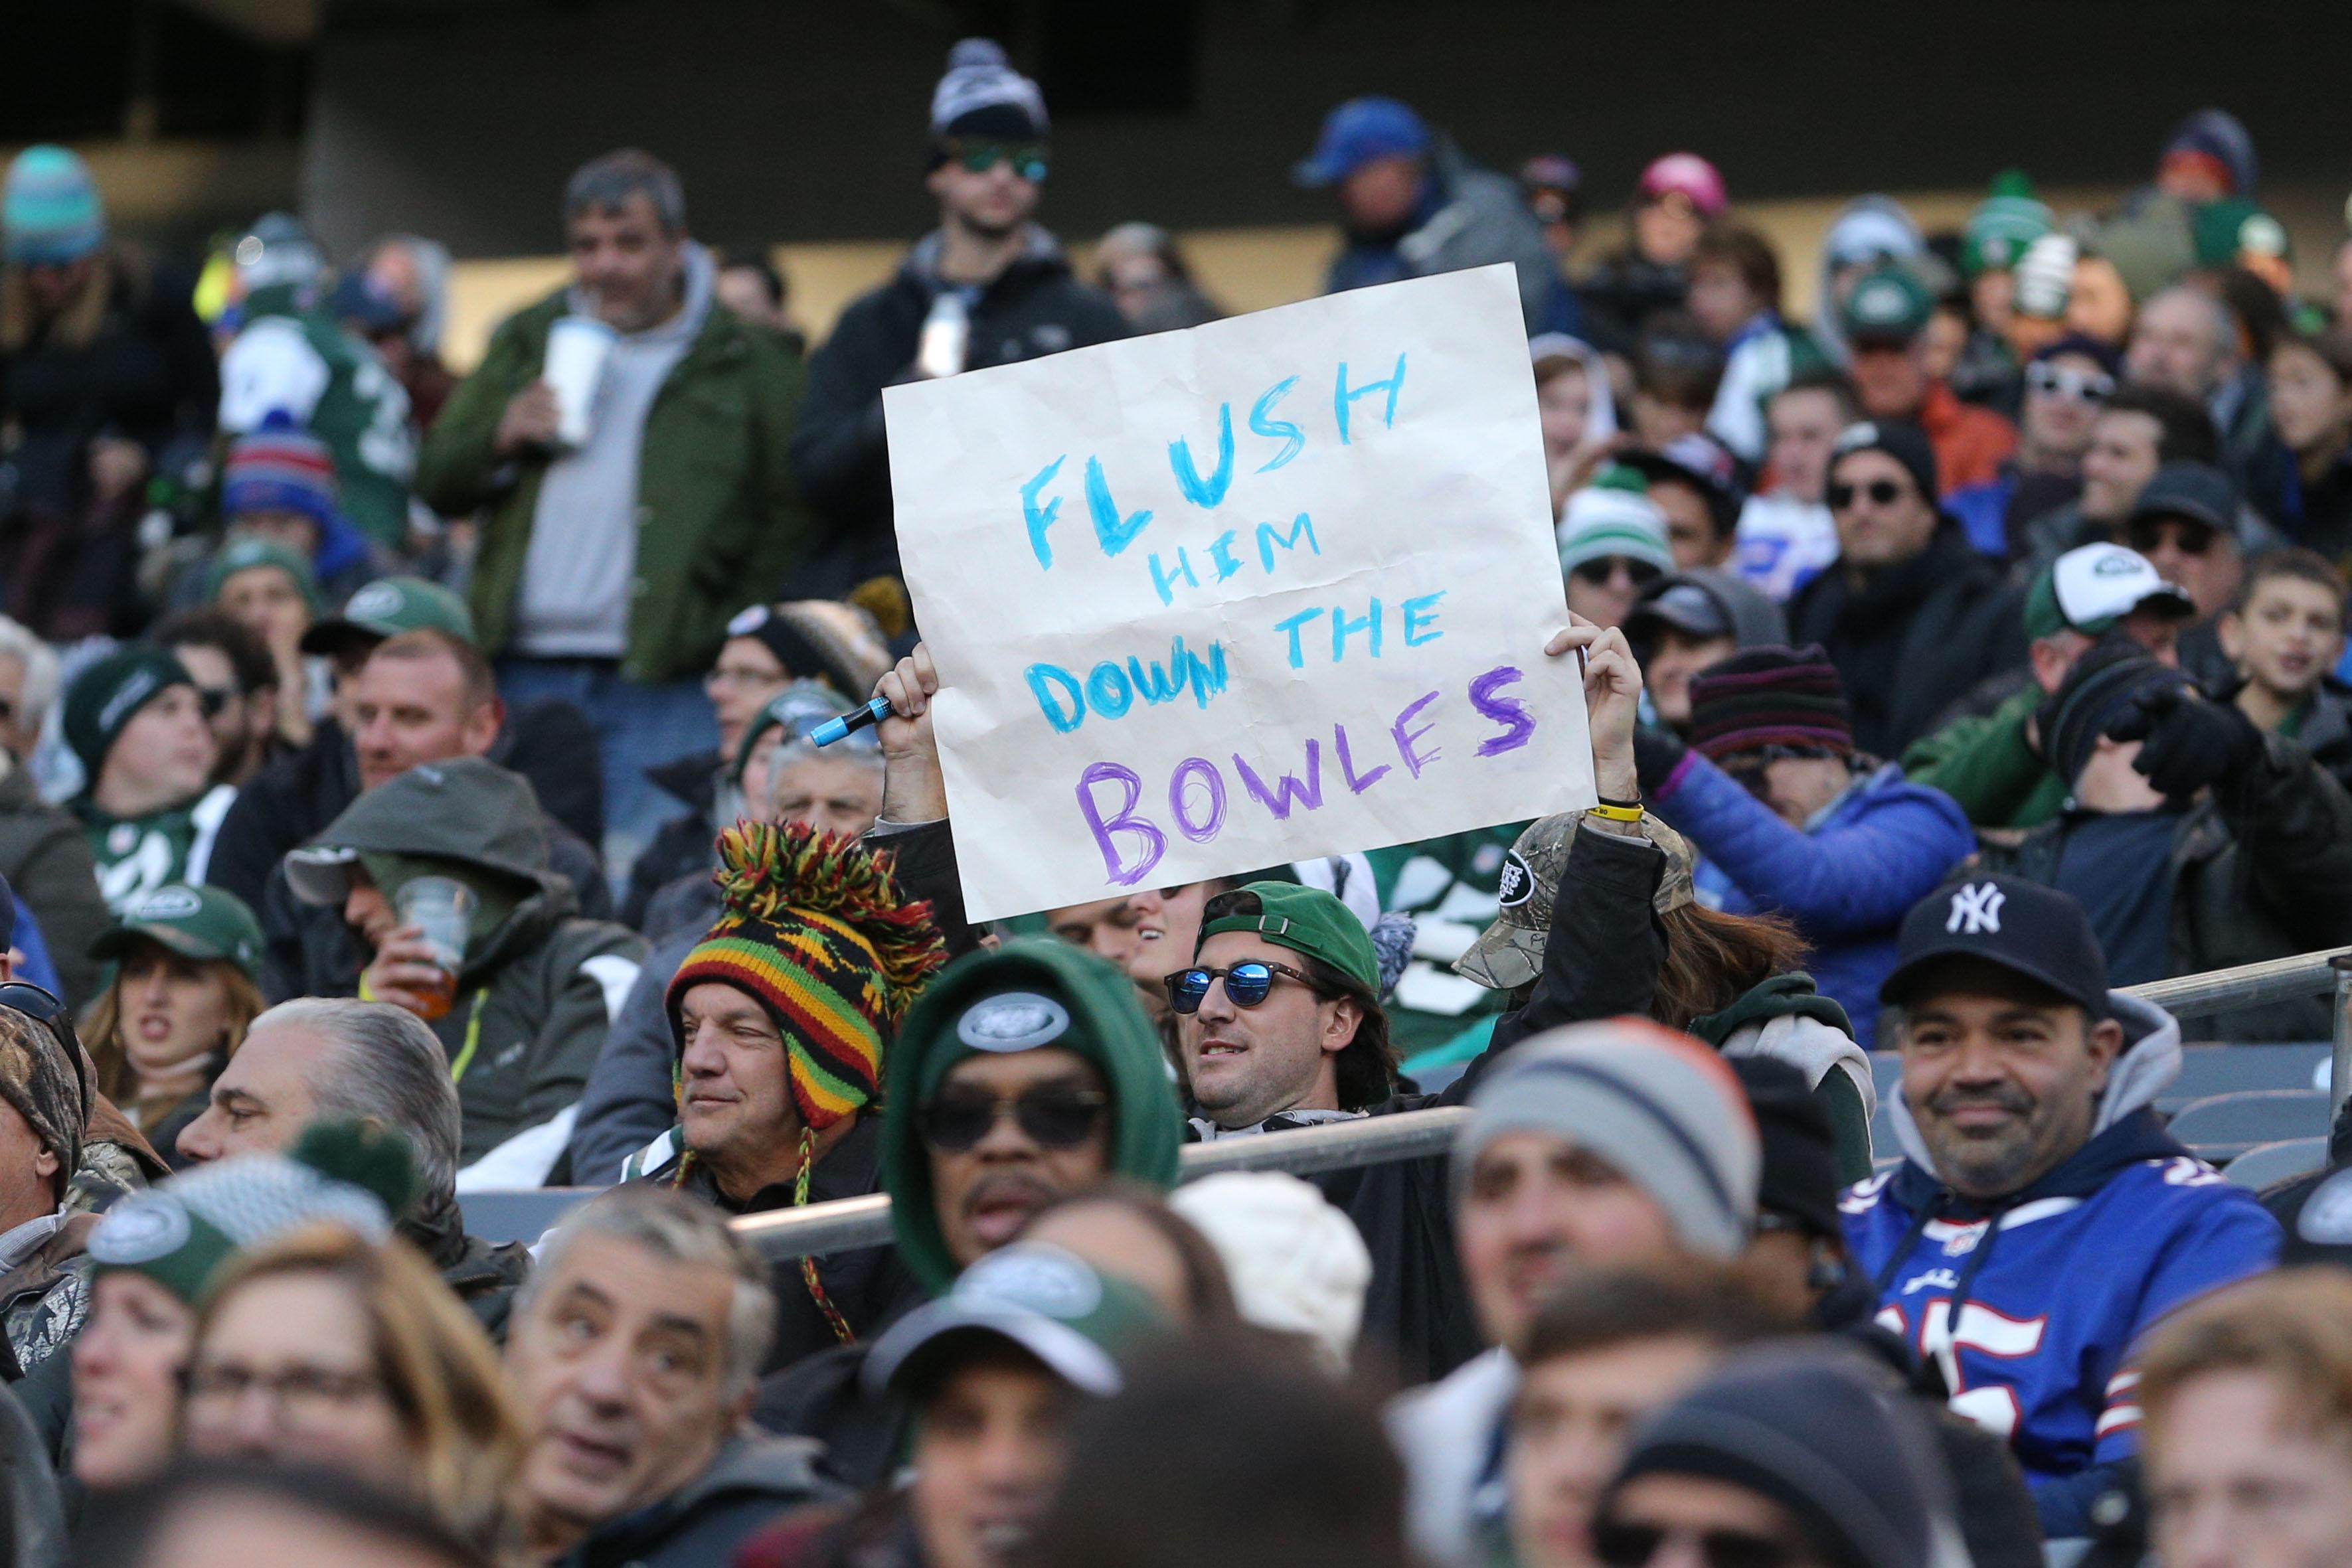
pixel 820 1398
pixel 537 992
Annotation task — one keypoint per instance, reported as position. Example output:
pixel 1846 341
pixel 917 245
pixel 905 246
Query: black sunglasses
pixel 1601 569
pixel 43 1008
pixel 2190 536
pixel 1881 493
pixel 211 700
pixel 1247 984
pixel 1054 1116
pixel 1027 157
pixel 1617 1543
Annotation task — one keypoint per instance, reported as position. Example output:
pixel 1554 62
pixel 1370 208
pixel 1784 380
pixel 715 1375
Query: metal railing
pixel 1414 1134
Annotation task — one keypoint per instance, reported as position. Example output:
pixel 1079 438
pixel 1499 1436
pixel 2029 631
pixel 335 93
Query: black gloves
pixel 1656 753
pixel 2190 742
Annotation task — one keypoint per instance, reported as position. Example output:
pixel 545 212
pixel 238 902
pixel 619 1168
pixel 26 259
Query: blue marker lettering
pixel 1042 678
pixel 1342 396
pixel 1419 612
pixel 1165 581
pixel 1208 679
pixel 1107 691
pixel 1298 659
pixel 1268 536
pixel 1281 430
pixel 1341 626
pixel 1112 531
pixel 1209 492
pixel 1040 519
pixel 1221 557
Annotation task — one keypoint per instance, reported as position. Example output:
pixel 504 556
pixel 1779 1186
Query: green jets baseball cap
pixel 386 608
pixel 200 923
pixel 1889 305
pixel 1304 919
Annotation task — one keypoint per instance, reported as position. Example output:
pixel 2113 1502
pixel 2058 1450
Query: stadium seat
pixel 2222 1126
pixel 2267 1164
pixel 2228 1069
pixel 519 1214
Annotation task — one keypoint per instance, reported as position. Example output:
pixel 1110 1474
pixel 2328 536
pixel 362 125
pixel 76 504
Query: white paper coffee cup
pixel 577 347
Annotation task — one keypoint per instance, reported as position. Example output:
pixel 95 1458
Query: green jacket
pixel 1982 762
pixel 718 513
pixel 1108 1028
pixel 537 990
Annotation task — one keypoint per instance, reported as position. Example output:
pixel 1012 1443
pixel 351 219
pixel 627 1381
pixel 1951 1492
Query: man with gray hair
pixel 623 529
pixel 330 1059
pixel 2185 340
pixel 635 1354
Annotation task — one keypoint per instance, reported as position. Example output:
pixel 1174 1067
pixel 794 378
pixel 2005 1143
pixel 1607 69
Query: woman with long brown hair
pixel 185 988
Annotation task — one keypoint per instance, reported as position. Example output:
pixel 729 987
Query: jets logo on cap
pixel 171 903
pixel 375 599
pixel 747 621
pixel 1042 1278
pixel 1976 909
pixel 1516 884
pixel 141 1228
pixel 1016 1021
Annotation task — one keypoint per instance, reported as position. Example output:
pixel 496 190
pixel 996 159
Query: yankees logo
pixel 1976 909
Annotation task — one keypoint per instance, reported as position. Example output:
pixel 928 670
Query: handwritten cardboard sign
pixel 1273 588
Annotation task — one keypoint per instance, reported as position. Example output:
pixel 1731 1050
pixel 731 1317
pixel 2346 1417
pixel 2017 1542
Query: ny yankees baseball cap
pixel 2023 926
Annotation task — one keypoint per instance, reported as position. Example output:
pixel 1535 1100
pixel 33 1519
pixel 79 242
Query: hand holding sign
pixel 1269 589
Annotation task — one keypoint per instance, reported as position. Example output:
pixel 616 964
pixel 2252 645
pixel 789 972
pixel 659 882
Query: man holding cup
pixel 624 441
pixel 443 874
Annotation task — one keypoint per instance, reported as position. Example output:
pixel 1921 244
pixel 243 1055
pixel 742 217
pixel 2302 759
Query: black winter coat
pixel 1034 307
pixel 2262 869
pixel 1913 638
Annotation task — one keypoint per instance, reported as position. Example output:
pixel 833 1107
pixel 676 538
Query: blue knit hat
pixel 50 210
pixel 280 467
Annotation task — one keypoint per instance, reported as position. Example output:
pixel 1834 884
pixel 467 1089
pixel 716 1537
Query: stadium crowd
pixel 408 792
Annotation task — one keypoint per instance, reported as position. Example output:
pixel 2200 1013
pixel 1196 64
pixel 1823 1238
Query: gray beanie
pixel 982 95
pixel 1665 1110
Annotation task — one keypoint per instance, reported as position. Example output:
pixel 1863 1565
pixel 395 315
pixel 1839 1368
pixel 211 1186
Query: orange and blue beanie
pixel 813 928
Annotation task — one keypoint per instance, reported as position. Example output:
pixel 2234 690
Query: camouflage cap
pixel 1509 954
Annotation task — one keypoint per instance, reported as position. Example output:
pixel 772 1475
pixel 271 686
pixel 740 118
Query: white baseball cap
pixel 2091 589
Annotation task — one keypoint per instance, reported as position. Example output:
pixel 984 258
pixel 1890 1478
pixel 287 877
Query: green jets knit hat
pixel 204 923
pixel 386 608
pixel 106 694
pixel 1304 919
pixel 2004 223
pixel 244 554
pixel 1614 516
pixel 180 1232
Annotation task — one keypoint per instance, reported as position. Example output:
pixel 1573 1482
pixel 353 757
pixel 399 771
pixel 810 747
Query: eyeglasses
pixel 2065 380
pixel 1052 1116
pixel 211 701
pixel 1881 493
pixel 1247 984
pixel 1027 157
pixel 302 1395
pixel 1617 1543
pixel 724 676
pixel 1603 570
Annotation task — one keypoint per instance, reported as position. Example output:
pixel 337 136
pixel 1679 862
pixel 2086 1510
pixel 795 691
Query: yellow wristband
pixel 1615 813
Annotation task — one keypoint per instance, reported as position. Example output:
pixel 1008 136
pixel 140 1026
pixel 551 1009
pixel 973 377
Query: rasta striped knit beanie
pixel 1771 696
pixel 811 928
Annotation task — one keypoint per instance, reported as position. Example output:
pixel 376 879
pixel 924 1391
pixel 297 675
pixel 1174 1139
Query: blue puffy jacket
pixel 1847 879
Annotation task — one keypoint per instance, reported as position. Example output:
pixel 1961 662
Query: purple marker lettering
pixel 1288 790
pixel 1356 782
pixel 1154 843
pixel 1414 761
pixel 1519 724
pixel 1200 767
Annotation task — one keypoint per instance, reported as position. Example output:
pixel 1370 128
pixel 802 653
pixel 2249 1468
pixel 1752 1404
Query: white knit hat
pixel 1297 1264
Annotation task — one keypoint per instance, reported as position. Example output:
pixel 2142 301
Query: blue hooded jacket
pixel 1846 878
pixel 2058 1281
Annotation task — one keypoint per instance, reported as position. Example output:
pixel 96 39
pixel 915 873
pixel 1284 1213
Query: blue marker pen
pixel 850 723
